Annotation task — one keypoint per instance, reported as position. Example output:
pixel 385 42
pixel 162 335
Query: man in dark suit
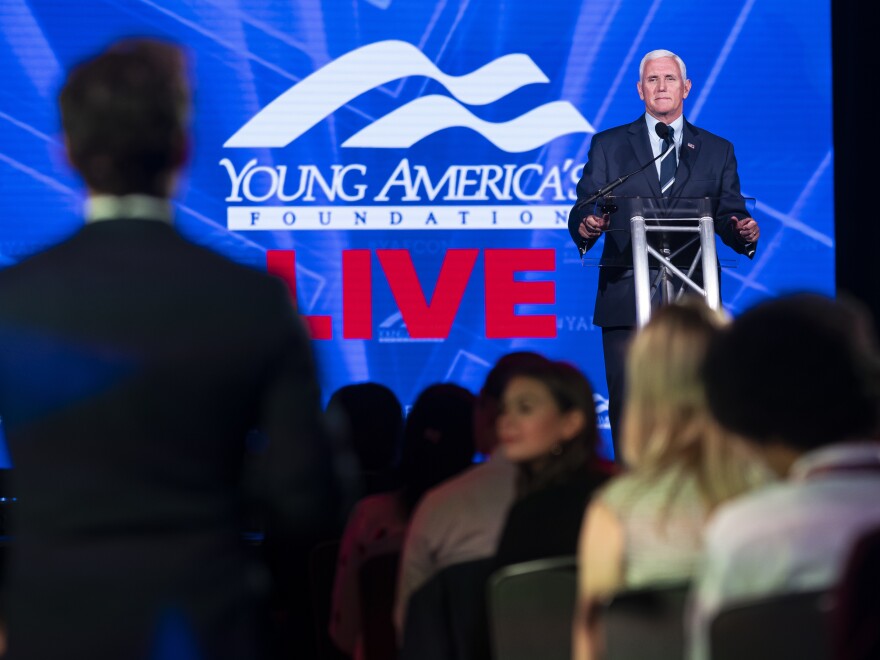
pixel 133 364
pixel 701 165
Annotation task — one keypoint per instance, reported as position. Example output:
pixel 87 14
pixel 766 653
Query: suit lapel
pixel 641 145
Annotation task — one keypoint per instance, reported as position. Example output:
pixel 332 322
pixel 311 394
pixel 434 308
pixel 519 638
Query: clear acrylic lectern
pixel 670 239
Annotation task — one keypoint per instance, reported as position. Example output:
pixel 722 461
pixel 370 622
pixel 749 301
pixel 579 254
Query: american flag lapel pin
pixel 691 145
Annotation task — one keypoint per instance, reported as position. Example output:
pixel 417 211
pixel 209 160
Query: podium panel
pixel 672 242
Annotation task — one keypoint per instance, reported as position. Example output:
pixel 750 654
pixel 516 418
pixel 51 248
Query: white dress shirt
pixel 790 537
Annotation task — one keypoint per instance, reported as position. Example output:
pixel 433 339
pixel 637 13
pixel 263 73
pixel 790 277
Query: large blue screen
pixel 408 165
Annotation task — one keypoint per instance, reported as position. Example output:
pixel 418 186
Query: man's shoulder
pixel 749 505
pixel 33 255
pixel 618 132
pixel 156 238
pixel 252 273
pixel 624 130
pixel 40 268
pixel 138 249
pixel 747 521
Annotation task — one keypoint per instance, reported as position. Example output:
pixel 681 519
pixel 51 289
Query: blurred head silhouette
pixel 438 439
pixel 812 376
pixel 371 417
pixel 125 116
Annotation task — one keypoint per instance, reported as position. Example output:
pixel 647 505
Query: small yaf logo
pixel 326 90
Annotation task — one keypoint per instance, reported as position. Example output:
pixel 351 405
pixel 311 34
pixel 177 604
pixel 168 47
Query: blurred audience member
pixel 371 418
pixel 132 365
pixel 645 528
pixel 438 442
pixel 547 428
pixel 800 378
pixel 460 520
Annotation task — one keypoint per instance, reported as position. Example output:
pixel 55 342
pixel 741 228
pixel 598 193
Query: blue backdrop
pixel 416 160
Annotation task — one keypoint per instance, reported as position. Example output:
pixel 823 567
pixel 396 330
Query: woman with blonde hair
pixel 645 527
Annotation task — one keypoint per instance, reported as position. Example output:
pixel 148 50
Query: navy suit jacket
pixel 132 365
pixel 706 168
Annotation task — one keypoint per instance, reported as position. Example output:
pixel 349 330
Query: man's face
pixel 662 89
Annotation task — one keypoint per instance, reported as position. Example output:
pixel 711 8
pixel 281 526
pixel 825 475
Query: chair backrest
pixel 464 587
pixel 446 618
pixel 426 633
pixel 531 606
pixel 786 626
pixel 640 619
pixel 378 583
pixel 857 616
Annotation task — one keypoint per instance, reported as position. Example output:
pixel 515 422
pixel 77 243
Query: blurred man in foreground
pixel 132 365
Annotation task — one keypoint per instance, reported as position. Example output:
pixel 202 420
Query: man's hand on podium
pixel 748 229
pixel 593 225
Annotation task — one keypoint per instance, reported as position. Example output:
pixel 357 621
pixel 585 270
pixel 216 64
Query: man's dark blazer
pixel 132 365
pixel 707 168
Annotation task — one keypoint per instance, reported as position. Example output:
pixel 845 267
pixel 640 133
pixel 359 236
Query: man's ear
pixel 687 88
pixel 639 87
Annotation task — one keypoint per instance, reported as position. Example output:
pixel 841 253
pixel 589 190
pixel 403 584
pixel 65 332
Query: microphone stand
pixel 604 190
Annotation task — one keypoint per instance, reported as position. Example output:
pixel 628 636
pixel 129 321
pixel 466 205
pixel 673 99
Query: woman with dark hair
pixel 438 442
pixel 547 427
pixel 371 418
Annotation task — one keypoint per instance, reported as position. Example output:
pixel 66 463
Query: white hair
pixel 657 54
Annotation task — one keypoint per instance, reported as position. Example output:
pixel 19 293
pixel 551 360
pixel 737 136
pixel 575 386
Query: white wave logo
pixel 602 419
pixel 322 93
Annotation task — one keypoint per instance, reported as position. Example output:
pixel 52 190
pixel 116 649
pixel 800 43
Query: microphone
pixel 662 131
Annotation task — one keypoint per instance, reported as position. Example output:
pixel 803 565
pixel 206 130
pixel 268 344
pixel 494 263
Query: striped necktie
pixel 668 164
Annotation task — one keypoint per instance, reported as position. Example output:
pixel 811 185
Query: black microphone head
pixel 662 130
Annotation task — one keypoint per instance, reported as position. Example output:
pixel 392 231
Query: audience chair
pixel 857 616
pixel 640 619
pixel 378 583
pixel 531 606
pixel 427 634
pixel 446 618
pixel 786 626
